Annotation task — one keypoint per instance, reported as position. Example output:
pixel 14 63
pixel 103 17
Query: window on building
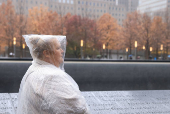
pixel 93 4
pixel 78 8
pixel 109 8
pixel 64 1
pixel 122 9
pixel 116 14
pixel 60 1
pixel 101 5
pixel 45 3
pixel 97 10
pixel 104 11
pixel 90 3
pixel 113 8
pixel 36 2
pixel 101 10
pixel 55 6
pixel 119 9
pixel 86 3
pixel 94 10
pixel 122 14
pixel 82 8
pixel 119 19
pixel 116 8
pixel 72 2
pixel 68 1
pixel 104 5
pixel 82 2
pixel 67 7
pixel 97 4
pixel 112 14
pixel 31 2
pixel 78 2
pixel 71 8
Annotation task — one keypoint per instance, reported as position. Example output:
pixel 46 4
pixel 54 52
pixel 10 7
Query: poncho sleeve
pixel 62 97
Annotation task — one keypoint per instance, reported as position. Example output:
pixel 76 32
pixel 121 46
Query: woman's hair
pixel 39 45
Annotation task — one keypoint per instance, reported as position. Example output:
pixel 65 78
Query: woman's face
pixel 57 53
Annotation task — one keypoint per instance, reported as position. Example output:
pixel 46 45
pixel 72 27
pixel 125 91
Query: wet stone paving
pixel 110 102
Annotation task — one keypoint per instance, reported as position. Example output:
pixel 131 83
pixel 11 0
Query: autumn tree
pixel 80 29
pixel 120 40
pixel 21 24
pixel 87 35
pixel 50 24
pixel 63 23
pixel 95 39
pixel 131 30
pixel 145 33
pixel 107 27
pixel 37 19
pixel 73 36
pixel 167 30
pixel 157 33
pixel 8 24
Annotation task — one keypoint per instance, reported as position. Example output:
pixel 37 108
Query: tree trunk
pixel 85 42
pixel 166 51
pixel 147 52
pixel 157 53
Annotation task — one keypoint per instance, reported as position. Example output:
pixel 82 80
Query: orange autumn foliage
pixel 107 27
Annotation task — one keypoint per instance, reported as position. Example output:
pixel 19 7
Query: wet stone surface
pixel 6 105
pixel 129 102
pixel 110 102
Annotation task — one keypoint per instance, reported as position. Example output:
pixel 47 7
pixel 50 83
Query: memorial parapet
pixel 110 102
pixel 97 76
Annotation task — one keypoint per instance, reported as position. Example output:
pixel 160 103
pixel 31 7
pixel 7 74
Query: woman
pixel 45 88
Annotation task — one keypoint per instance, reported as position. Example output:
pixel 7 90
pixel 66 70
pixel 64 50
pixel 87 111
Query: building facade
pixel 152 6
pixel 86 8
pixel 131 5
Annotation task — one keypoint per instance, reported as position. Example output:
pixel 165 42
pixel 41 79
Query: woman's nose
pixel 62 51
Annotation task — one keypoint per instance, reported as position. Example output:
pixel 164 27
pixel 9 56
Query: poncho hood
pixel 62 40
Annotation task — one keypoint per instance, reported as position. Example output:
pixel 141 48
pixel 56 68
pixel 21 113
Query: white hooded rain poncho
pixel 46 88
